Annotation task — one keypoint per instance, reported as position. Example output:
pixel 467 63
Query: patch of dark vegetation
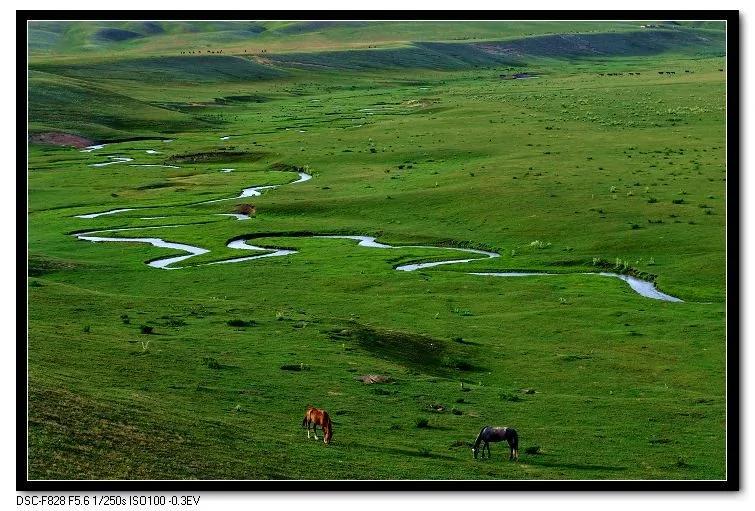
pixel 659 441
pixel 35 283
pixel 574 358
pixel 211 363
pixel 43 265
pixel 286 167
pixel 510 396
pixel 460 443
pixel 456 411
pixel 623 268
pixel 173 322
pixel 116 35
pixel 461 340
pixel 294 367
pixel 422 423
pixel 240 323
pixel 146 329
pixel 533 449
pixel 218 157
pixel 419 352
pixel 251 98
pixel 154 186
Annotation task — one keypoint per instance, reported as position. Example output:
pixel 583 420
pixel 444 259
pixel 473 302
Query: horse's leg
pixel 308 430
pixel 314 427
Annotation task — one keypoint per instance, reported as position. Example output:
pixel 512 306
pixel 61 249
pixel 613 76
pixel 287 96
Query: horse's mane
pixel 479 436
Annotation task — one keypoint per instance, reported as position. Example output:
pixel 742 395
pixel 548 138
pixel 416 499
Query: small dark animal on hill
pixel 498 434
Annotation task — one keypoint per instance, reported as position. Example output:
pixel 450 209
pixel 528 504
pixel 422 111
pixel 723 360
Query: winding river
pixel 642 287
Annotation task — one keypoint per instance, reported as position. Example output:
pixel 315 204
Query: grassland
pixel 600 158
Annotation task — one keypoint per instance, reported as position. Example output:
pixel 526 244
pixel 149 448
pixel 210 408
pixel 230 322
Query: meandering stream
pixel 642 287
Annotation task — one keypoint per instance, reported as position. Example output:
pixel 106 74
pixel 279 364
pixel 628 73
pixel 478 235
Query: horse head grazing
pixel 477 442
pixel 327 428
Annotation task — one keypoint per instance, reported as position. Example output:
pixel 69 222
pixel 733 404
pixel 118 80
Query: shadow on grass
pixel 403 452
pixel 539 462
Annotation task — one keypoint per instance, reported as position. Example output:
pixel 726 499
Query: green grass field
pixel 605 161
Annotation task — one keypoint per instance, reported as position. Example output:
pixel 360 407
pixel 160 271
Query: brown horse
pixel 315 417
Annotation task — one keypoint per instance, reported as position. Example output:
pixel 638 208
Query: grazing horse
pixel 490 434
pixel 315 417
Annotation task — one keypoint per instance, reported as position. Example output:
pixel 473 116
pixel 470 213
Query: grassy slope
pixel 625 387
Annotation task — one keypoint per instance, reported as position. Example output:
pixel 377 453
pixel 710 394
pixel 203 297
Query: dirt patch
pixel 245 209
pixel 369 379
pixel 62 139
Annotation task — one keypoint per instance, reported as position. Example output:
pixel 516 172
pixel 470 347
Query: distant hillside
pixel 143 38
pixel 195 69
pixel 518 51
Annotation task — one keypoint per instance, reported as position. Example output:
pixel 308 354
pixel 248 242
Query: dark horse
pixel 315 417
pixel 490 434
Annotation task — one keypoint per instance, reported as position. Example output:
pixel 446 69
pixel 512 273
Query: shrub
pixel 677 201
pixel 652 200
pixel 211 363
pixel 456 411
pixel 423 422
pixel 125 319
pixel 87 328
pixel 509 396
pixel 146 329
pixel 294 367
pixel 240 323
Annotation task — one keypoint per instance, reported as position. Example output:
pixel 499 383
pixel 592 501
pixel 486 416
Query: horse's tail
pixel 306 417
pixel 514 443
